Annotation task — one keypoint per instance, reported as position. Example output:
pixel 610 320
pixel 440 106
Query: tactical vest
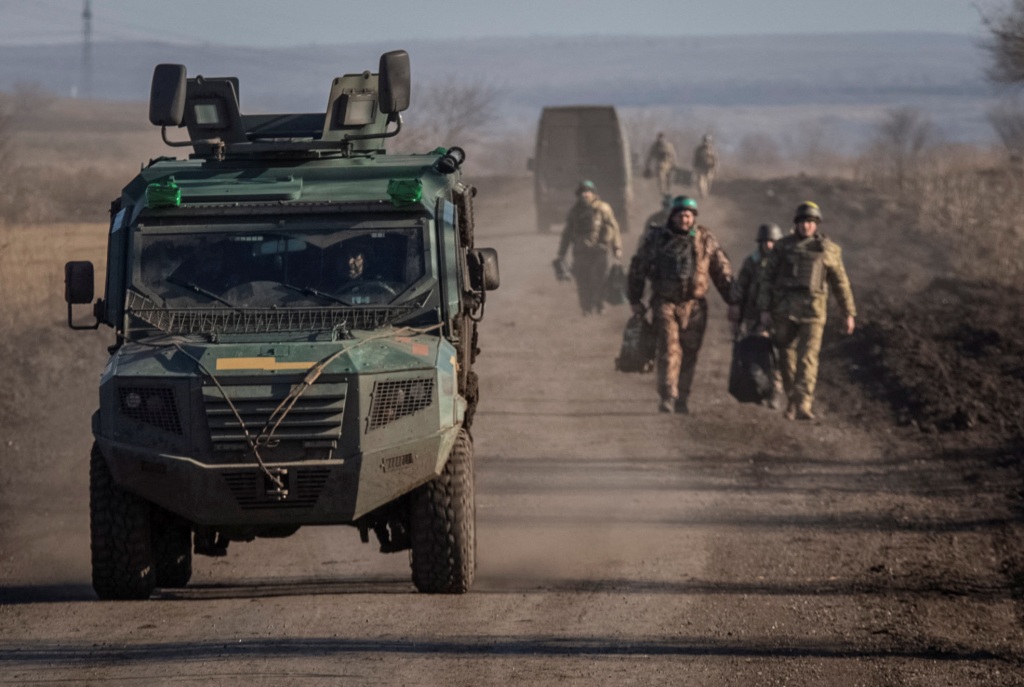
pixel 673 266
pixel 803 267
pixel 706 157
pixel 588 226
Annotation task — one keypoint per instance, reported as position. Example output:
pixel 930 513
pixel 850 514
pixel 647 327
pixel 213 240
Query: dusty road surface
pixel 616 545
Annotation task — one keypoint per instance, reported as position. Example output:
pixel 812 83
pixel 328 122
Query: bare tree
pixel 901 139
pixel 1006 43
pixel 453 112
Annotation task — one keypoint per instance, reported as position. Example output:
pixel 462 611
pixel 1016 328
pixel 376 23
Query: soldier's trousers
pixel 590 270
pixel 664 172
pixel 704 180
pixel 798 344
pixel 680 329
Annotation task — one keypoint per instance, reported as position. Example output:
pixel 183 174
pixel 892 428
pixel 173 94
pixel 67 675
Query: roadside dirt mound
pixel 949 358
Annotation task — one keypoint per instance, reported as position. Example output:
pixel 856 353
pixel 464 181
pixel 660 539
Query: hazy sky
pixel 302 22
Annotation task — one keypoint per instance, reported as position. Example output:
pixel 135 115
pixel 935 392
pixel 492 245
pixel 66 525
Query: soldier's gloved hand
pixel 638 308
pixel 766 319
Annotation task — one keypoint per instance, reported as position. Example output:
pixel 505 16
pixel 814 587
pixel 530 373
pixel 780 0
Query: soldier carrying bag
pixel 752 370
pixel 639 343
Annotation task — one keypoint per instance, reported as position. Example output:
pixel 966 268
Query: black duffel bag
pixel 639 343
pixel 753 369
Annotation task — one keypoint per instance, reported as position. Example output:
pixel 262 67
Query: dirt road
pixel 616 545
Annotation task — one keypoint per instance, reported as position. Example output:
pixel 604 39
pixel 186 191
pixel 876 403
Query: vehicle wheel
pixel 119 523
pixel 444 526
pixel 172 549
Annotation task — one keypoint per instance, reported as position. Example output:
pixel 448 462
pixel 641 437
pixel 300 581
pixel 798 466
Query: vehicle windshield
pixel 281 269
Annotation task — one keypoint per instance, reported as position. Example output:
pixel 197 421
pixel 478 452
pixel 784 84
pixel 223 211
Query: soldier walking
pixel 661 162
pixel 793 300
pixel 679 260
pixel 744 313
pixel 593 233
pixel 705 163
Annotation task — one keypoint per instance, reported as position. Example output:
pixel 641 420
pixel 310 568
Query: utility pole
pixel 87 50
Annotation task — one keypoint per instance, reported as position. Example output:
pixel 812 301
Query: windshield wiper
pixel 310 291
pixel 201 291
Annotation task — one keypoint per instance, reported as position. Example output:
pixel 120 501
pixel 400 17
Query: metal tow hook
pixel 272 490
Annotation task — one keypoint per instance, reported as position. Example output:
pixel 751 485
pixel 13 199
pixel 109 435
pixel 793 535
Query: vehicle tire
pixel 172 548
pixel 122 548
pixel 443 525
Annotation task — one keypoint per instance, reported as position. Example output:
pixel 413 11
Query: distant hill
pixel 839 77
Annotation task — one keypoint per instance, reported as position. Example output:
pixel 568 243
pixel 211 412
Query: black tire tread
pixel 119 524
pixel 444 525
pixel 172 549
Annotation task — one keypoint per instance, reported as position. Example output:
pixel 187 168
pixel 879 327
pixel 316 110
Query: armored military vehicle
pixel 574 143
pixel 296 318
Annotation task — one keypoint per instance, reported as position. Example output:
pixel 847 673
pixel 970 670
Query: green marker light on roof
pixel 405 191
pixel 163 194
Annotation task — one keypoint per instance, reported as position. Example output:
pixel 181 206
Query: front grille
pixel 152 405
pixel 397 398
pixel 254 490
pixel 313 421
pixel 214 320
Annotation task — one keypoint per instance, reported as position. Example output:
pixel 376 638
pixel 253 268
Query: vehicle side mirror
pixel 483 272
pixel 167 95
pixel 393 82
pixel 79 283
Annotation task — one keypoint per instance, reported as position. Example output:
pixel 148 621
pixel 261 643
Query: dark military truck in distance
pixel 296 325
pixel 575 143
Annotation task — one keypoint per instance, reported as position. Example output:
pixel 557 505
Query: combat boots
pixel 804 412
pixel 791 411
pixel 667 405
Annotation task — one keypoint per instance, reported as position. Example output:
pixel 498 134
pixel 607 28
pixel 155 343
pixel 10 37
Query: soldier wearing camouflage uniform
pixel 744 313
pixel 593 233
pixel 680 260
pixel 793 300
pixel 705 163
pixel 661 162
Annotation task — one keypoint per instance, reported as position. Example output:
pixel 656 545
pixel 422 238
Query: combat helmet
pixel 808 210
pixel 586 185
pixel 680 203
pixel 769 232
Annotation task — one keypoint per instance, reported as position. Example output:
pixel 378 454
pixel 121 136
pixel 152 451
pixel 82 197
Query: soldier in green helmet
pixel 681 260
pixel 793 299
pixel 593 233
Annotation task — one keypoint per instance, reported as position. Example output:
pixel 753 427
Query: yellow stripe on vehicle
pixel 264 364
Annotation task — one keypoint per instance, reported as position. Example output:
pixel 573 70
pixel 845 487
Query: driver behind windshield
pixel 364 277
